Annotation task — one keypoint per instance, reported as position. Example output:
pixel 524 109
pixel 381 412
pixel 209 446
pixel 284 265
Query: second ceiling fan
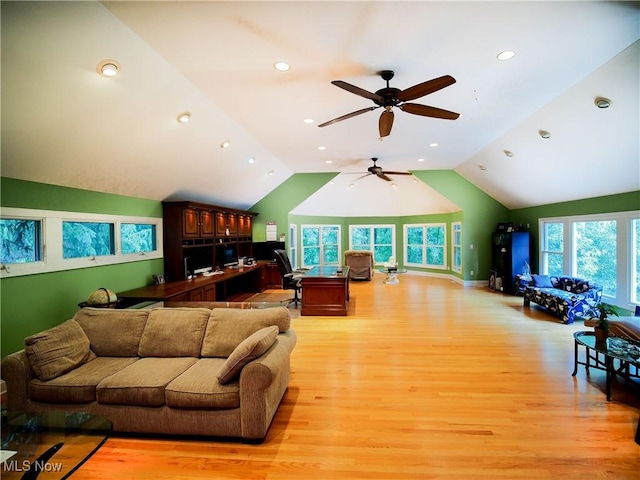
pixel 390 97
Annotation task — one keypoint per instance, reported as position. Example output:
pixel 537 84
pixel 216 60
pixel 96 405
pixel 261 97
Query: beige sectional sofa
pixel 187 371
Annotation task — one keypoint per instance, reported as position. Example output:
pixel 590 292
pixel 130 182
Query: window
pixel 137 237
pixel 595 253
pixel 293 245
pixel 320 245
pixel 379 239
pixel 552 254
pixel 41 241
pixel 456 247
pixel 602 248
pixel 87 239
pixel 21 240
pixel 426 245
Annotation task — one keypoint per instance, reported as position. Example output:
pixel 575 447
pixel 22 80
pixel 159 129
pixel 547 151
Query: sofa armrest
pixel 259 374
pixel 17 373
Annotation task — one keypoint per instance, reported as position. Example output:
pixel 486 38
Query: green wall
pixel 32 303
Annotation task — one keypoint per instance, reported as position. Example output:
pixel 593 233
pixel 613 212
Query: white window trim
pixel 424 264
pixel 624 229
pixel 320 227
pixel 52 259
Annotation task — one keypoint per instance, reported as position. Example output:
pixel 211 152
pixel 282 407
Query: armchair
pixel 360 263
pixel 290 278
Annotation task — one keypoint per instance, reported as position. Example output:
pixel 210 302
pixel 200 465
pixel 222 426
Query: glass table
pixel 392 274
pixel 49 445
pixel 603 356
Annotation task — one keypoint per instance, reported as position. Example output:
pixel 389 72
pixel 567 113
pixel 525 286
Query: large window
pixel 426 245
pixel 379 239
pixel 40 241
pixel 320 245
pixel 602 248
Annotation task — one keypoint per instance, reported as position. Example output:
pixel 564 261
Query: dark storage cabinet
pixel 510 257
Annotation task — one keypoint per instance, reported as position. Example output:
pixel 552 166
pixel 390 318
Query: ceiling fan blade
pixel 396 173
pixel 348 115
pixel 357 90
pixel 426 111
pixel 385 123
pixel 383 176
pixel 425 88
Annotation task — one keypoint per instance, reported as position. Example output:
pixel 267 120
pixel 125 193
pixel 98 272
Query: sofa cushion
pixel 199 387
pixel 174 332
pixel 143 382
pixel 78 385
pixel 542 281
pixel 249 349
pixel 57 350
pixel 113 333
pixel 227 327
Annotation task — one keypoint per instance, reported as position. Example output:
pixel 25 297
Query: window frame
pixel 372 245
pixel 51 241
pixel 456 227
pixel 425 245
pixel 320 227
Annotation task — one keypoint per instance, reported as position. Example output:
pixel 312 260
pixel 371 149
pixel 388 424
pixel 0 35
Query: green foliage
pixel 601 311
pixel 20 240
pixel 87 239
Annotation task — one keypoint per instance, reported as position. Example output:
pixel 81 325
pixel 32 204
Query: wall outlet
pixel 472 273
pixel 471 247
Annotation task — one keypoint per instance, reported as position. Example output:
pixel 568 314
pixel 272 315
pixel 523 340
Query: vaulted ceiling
pixel 64 124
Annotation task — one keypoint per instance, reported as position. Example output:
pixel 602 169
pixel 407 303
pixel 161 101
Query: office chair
pixel 290 277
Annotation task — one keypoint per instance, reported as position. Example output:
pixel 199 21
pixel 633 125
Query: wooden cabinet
pixel 202 294
pixel 197 223
pixel 195 235
pixel 274 277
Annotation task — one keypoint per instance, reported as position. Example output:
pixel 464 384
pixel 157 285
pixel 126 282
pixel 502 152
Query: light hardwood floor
pixel 427 380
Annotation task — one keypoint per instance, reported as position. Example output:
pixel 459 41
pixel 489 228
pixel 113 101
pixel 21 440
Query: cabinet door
pixel 196 295
pixel 221 224
pixel 209 293
pixel 190 227
pixel 206 223
pixel 232 220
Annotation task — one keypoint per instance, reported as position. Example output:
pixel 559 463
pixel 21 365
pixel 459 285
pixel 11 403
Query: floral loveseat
pixel 566 297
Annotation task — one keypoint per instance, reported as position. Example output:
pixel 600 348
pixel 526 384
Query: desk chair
pixel 290 278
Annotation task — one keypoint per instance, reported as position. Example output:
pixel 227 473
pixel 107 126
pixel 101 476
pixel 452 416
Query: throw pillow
pixel 542 281
pixel 249 349
pixel 58 350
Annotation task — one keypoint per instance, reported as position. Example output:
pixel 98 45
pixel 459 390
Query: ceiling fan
pixel 390 97
pixel 378 172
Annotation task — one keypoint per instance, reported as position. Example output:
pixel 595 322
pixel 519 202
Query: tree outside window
pixel 21 240
pixel 596 253
pixel 87 239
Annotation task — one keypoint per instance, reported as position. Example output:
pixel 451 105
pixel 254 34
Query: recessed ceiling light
pixel 251 160
pixel 421 159
pixel 508 153
pixel 108 68
pixel 225 144
pixel 322 147
pixel 328 161
pixel 270 172
pixel 415 180
pixel 482 167
pixel 433 144
pixel 602 102
pixel 393 185
pixel 308 120
pixel 351 185
pixel 544 134
pixel 184 117
pixel 282 66
pixel 506 55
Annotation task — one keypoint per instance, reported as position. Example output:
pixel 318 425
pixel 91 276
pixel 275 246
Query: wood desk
pixel 232 283
pixel 325 291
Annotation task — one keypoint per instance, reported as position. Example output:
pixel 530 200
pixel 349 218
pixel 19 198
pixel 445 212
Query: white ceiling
pixel 65 125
